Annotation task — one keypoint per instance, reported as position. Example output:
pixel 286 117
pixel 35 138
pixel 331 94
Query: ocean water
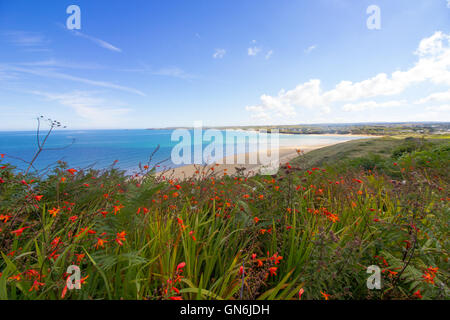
pixel 100 148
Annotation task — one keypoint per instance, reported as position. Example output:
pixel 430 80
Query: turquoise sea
pixel 100 148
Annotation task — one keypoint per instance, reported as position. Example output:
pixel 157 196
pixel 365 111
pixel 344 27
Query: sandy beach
pixel 285 155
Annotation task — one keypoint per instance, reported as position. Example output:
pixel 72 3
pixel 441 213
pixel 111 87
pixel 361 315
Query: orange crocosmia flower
pixel 73 218
pixel 17 277
pixel 36 285
pixel 256 219
pixel 300 292
pixel 72 171
pixel 325 295
pixel 176 298
pixel 246 196
pixel 63 179
pixel 429 277
pixel 277 258
pixel 175 194
pixel 273 270
pixel 100 243
pixel 121 238
pixel 117 209
pixel 261 196
pixel 53 212
pixel 260 263
pixel 191 233
pixel 19 232
pixel 332 217
pixel 263 231
pixel 80 257
pixel 2 155
pixel 181 266
pixel 5 218
pixel 417 294
pixel 38 198
pixel 433 270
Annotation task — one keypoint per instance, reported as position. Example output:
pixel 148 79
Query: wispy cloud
pixel 170 71
pixel 51 73
pixel 310 48
pixel 435 97
pixel 370 105
pixel 60 64
pixel 253 51
pixel 87 105
pixel 25 38
pixel 269 54
pixel 219 53
pixel 173 72
pixel 97 41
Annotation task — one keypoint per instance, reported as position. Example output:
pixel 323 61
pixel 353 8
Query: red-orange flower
pixel 417 294
pixel 72 171
pixel 181 266
pixel 325 295
pixel 100 243
pixel 53 212
pixel 273 270
pixel 36 285
pixel 120 238
pixel 300 292
pixel 19 232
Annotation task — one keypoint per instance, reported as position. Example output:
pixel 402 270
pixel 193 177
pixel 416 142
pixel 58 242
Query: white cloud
pixel 253 51
pixel 269 54
pixel 25 38
pixel 173 72
pixel 87 106
pixel 97 41
pixel 310 48
pixel 441 108
pixel 50 73
pixel 370 105
pixel 219 53
pixel 433 66
pixel 433 45
pixel 435 97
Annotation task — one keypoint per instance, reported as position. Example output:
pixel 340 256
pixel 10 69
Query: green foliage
pixel 310 228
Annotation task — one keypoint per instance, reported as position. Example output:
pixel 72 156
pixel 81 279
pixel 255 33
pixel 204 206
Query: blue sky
pixel 140 64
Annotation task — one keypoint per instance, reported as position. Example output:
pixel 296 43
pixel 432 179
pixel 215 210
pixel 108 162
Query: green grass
pixel 381 147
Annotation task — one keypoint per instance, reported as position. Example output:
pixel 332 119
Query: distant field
pixel 382 147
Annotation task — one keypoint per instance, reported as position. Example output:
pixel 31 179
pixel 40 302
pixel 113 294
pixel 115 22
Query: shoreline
pixel 285 155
